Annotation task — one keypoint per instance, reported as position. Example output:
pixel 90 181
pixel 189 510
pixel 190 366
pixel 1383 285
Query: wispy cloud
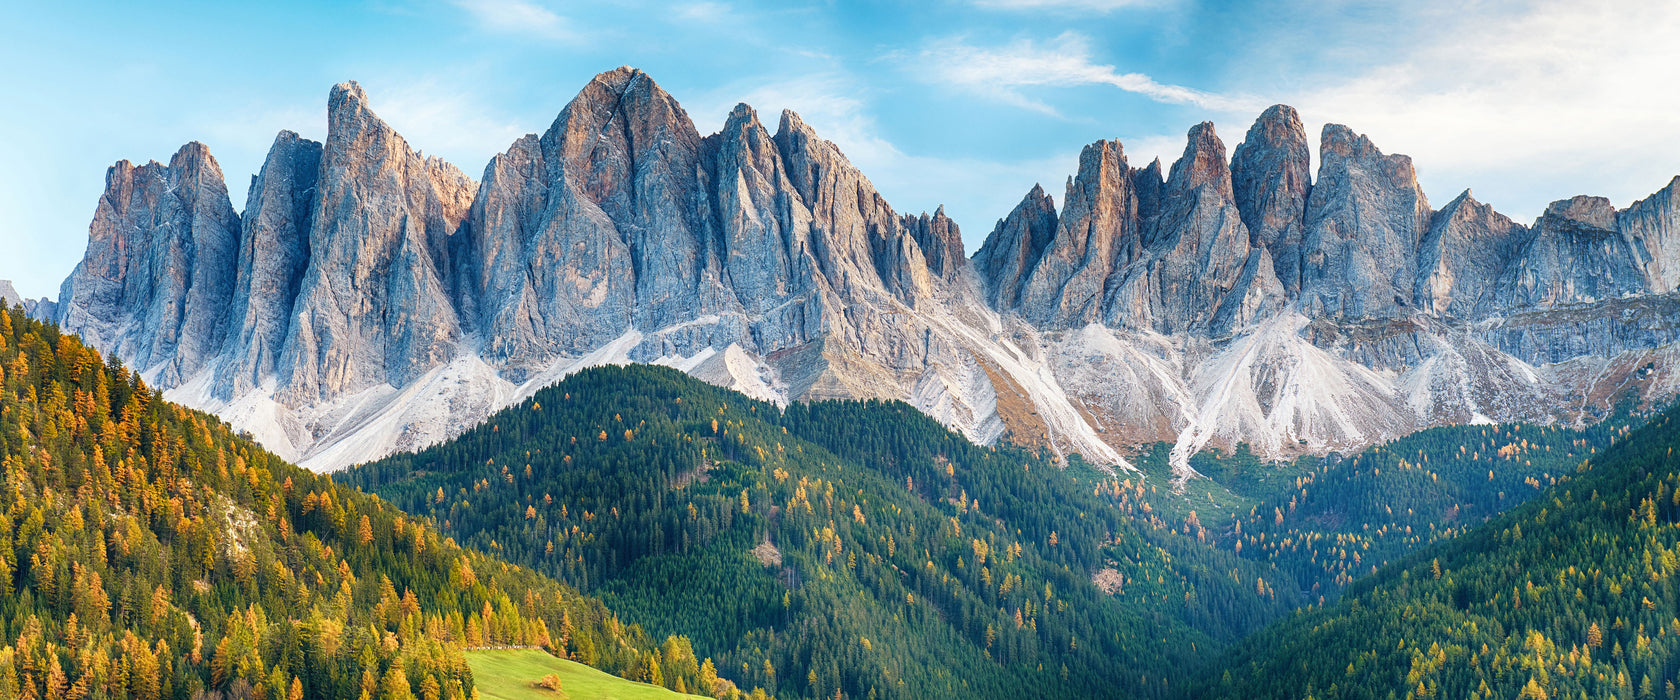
pixel 1067 5
pixel 701 11
pixel 519 17
pixel 1543 102
pixel 1065 61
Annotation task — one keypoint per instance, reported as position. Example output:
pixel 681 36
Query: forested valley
pixel 856 548
pixel 861 549
pixel 662 529
pixel 1570 595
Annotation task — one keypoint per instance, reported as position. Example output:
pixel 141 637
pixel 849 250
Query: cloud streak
pixel 1002 72
pixel 519 17
pixel 1099 6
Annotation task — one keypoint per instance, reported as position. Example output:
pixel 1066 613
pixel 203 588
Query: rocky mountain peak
pixel 346 95
pixel 273 254
pixel 348 108
pixel 1340 141
pixel 1575 254
pixel 1013 248
pixel 155 281
pixel 797 141
pixel 1364 220
pixel 940 240
pixel 9 294
pixel 1583 211
pixel 193 158
pixel 1655 223
pixel 1096 232
pixel 381 224
pixel 791 123
pixel 368 286
pixel 1203 163
pixel 454 188
pixel 1150 184
pixel 1271 177
pixel 1461 258
pixel 742 114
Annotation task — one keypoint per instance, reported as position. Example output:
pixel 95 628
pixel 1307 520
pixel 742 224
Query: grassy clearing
pixel 512 674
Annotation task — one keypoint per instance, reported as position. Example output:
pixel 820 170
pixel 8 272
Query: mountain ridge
pixel 1233 298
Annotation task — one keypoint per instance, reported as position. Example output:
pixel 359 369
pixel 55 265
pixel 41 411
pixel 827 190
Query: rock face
pixel 1271 174
pixel 155 284
pixel 1130 250
pixel 1097 232
pixel 1652 225
pixel 1364 220
pixel 371 299
pixel 273 254
pixel 1012 251
pixel 9 294
pixel 374 304
pixel 940 241
pixel 1575 255
pixel 1201 273
pixel 1462 257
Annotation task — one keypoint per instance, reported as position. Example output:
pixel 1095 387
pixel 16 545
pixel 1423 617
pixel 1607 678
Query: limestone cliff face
pixel 1131 250
pixel 1272 176
pixel 940 241
pixel 273 254
pixel 1364 219
pixel 1652 228
pixel 1014 247
pixel 1574 255
pixel 155 283
pixel 1200 271
pixel 371 299
pixel 1462 257
pixel 1096 233
pixel 593 228
pixel 622 220
pixel 857 240
pixel 764 231
pixel 374 304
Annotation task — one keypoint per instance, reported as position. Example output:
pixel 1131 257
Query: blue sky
pixel 965 103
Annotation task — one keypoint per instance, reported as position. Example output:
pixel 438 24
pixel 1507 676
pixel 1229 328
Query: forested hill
pixel 146 551
pixel 1572 595
pixel 854 549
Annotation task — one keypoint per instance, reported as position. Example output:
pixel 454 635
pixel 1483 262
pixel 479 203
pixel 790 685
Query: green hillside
pixel 1337 520
pixel 851 548
pixel 518 674
pixel 857 548
pixel 146 551
pixel 1570 595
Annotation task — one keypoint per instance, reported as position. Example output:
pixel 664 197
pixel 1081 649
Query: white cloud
pixel 519 17
pixel 1001 73
pixel 1556 99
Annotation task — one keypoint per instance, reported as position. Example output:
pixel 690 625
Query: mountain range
pixel 371 300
